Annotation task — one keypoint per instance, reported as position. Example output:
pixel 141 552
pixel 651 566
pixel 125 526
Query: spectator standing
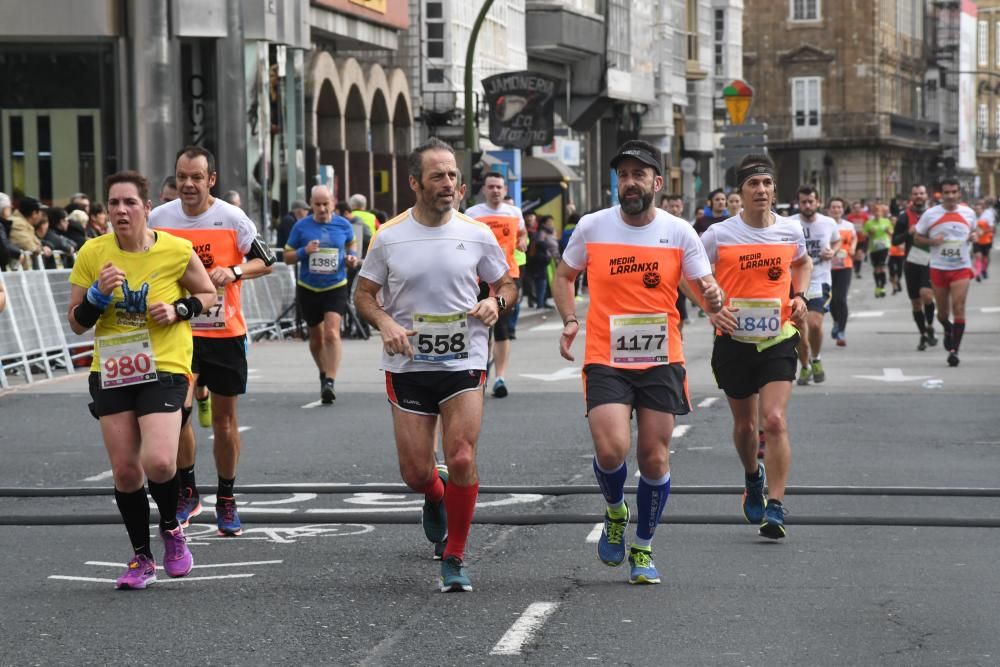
pixel 299 210
pixel 541 252
pixel 168 190
pixel 359 209
pixel 23 221
pixel 52 234
pixel 97 223
pixel 76 227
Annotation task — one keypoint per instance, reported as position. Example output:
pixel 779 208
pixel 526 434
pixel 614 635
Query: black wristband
pixel 193 304
pixel 87 314
pixel 571 319
pixel 802 296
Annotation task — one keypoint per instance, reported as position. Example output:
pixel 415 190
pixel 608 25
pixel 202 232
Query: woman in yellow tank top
pixel 131 286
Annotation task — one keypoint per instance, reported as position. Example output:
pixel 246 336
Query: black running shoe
pixel 953 358
pixel 923 343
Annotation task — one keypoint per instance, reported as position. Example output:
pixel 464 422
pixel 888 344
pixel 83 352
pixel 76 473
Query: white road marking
pixel 314 404
pixel 697 449
pixel 296 498
pixel 524 628
pixel 867 313
pixel 241 429
pixel 415 505
pixel 102 563
pixel 159 582
pixel 107 474
pixel 595 533
pixel 708 401
pixel 892 375
pixel 990 309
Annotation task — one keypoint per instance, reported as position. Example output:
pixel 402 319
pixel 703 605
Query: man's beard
pixel 636 206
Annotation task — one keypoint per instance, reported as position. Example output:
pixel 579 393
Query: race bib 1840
pixel 757 320
pixel 639 339
pixel 126 359
pixel 440 337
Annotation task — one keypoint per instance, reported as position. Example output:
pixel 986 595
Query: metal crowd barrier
pixel 32 338
pixel 35 338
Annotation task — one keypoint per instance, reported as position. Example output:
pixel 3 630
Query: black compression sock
pixel 165 495
pixel 186 476
pixel 929 314
pixel 957 331
pixel 753 477
pixel 918 317
pixel 226 487
pixel 134 508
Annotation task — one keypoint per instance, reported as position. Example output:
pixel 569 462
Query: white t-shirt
pixel 220 217
pixel 819 235
pixel 955 226
pixel 434 273
pixel 736 232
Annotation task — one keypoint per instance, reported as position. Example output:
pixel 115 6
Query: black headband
pixel 753 170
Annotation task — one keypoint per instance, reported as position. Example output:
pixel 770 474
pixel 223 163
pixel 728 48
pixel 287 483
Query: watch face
pixel 182 310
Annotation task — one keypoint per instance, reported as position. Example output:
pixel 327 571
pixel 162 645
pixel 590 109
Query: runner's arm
pixel 902 229
pixel 3 298
pixel 395 338
pixel 565 299
pixel 196 281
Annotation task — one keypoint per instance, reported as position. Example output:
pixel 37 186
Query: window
pixel 805 10
pixel 434 38
pixel 435 75
pixel 983 42
pixel 692 30
pixel 806 106
pixel 996 42
pixel 983 124
pixel 720 41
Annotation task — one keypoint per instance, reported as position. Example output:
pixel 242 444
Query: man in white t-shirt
pixel 427 264
pixel 949 229
pixel 822 242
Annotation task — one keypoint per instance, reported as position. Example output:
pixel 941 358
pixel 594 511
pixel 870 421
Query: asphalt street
pixel 867 576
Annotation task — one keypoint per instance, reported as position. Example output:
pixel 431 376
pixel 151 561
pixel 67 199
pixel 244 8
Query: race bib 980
pixel 126 359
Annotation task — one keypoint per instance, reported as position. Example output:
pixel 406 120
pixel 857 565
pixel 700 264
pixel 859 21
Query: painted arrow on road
pixel 561 374
pixel 892 375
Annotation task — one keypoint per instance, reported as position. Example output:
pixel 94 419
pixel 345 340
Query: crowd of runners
pixel 442 288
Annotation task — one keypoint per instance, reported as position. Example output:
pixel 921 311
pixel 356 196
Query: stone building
pixel 841 87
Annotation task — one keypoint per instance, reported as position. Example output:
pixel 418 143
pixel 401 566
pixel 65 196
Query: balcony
pixel 987 142
pixel 564 32
pixel 845 130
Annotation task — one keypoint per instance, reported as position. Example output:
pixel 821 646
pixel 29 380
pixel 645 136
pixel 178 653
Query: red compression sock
pixel 460 504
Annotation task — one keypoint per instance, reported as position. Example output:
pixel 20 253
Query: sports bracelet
pixel 571 319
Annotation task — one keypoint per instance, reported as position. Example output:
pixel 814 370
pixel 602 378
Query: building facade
pixel 94 86
pixel 841 87
pixel 987 67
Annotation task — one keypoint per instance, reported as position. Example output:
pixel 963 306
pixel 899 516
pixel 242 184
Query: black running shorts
pixel 423 392
pixel 662 388
pixel 165 394
pixel 918 276
pixel 879 257
pixel 221 364
pixel 820 304
pixel 315 305
pixel 740 370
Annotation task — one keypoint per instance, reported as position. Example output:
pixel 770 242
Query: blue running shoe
pixel 453 577
pixel 434 519
pixel 643 569
pixel 499 388
pixel 773 525
pixel 226 517
pixel 754 500
pixel 611 546
pixel 188 506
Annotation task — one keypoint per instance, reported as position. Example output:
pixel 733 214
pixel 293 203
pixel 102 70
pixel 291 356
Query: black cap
pixel 643 151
